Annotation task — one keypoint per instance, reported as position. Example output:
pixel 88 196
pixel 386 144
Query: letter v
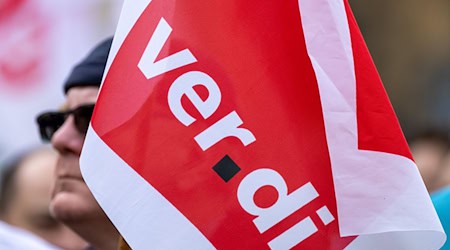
pixel 148 65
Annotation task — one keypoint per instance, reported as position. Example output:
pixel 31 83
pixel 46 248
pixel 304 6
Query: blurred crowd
pixel 25 219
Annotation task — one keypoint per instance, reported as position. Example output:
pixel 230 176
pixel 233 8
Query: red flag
pixel 236 125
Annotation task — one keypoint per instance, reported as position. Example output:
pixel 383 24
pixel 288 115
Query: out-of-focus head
pixel 443 179
pixel 89 72
pixel 25 198
pixel 429 150
pixel 72 202
pixel 71 199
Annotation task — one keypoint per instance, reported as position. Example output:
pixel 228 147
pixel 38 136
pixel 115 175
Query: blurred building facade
pixel 40 42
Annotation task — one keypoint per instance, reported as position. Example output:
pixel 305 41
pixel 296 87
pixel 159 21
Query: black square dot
pixel 226 168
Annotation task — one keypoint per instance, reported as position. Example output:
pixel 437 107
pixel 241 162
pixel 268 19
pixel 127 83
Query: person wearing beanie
pixel 72 202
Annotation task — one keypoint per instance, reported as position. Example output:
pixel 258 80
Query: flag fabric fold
pixel 235 125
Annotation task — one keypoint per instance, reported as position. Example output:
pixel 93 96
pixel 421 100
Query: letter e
pixel 183 85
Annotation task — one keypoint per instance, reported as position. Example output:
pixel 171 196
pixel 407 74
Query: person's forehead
pixel 77 96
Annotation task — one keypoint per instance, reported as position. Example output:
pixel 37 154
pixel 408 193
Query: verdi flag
pixel 243 125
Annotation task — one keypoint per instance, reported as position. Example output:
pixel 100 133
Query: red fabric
pixel 256 54
pixel 378 127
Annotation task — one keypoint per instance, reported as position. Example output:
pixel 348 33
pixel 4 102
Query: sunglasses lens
pixel 48 124
pixel 82 117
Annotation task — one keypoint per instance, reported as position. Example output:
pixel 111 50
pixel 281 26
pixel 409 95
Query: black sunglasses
pixel 50 122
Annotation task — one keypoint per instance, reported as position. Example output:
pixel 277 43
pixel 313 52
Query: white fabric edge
pixel 143 216
pixel 337 87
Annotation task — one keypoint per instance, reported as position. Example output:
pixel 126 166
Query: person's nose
pixel 67 139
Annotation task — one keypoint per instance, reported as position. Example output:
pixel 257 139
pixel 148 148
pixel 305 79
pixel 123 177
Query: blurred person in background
pixel 441 200
pixel 72 202
pixel 24 200
pixel 431 152
pixel 443 179
pixel 430 149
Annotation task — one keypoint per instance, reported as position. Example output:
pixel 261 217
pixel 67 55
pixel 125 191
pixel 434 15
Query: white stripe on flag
pixel 399 203
pixel 151 221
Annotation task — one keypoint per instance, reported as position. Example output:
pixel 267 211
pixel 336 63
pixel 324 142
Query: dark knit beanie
pixel 89 72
